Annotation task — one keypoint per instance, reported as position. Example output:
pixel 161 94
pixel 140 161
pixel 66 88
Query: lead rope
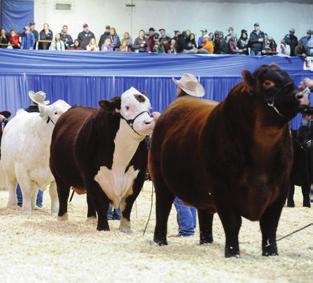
pixel 288 235
pixel 152 189
pixel 72 195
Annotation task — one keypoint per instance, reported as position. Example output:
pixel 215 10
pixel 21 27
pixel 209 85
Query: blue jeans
pixel 20 197
pixel 255 53
pixel 186 218
pixel 115 214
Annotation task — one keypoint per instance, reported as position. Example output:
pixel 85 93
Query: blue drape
pixel 16 14
pixel 85 78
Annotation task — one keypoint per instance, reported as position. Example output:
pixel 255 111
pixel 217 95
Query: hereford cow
pixel 25 154
pixel 103 152
pixel 234 158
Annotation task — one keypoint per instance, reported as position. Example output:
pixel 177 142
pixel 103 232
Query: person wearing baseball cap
pixel 28 39
pixel 291 40
pixel 34 31
pixel 256 40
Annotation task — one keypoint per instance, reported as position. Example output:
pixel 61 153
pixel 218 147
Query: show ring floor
pixel 41 249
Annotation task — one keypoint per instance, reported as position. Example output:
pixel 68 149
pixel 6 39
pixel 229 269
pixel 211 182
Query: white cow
pixel 25 149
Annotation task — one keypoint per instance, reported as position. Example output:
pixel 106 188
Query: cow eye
pixel 55 113
pixel 268 84
pixel 127 107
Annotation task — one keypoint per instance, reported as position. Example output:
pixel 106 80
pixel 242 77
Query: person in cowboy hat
pixel 37 98
pixel 188 85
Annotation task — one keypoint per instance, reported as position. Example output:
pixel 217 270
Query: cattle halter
pixel 271 100
pixel 131 122
pixel 50 120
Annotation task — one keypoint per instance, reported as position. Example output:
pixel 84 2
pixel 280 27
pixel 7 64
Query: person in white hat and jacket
pixel 188 85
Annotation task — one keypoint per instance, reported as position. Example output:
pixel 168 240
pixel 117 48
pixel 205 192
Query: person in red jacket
pixel 15 39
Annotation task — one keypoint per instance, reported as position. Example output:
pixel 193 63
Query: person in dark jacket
pixel 104 36
pixel 291 40
pixel 256 40
pixel 141 42
pixel 180 42
pixel 85 36
pixel 190 42
pixel 243 42
pixel 35 32
pixel 151 39
pixel 66 38
pixel 4 38
pixel 163 36
pixel 220 45
pixel 45 34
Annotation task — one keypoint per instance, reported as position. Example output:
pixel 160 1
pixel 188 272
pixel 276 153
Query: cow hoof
pixel 126 230
pixel 12 205
pixel 307 204
pixel 206 240
pixel 232 252
pixel 27 213
pixel 290 204
pixel 266 253
pixel 125 226
pixel 103 229
pixel 54 214
pixel 270 250
pixel 160 242
pixel 63 218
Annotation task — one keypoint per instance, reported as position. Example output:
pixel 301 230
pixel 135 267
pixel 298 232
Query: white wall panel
pixel 275 18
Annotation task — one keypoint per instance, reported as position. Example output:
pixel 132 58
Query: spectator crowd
pixel 255 43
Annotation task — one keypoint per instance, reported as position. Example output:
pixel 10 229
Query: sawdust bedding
pixel 41 249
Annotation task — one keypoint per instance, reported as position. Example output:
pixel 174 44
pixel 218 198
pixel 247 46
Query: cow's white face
pixel 135 105
pixel 54 111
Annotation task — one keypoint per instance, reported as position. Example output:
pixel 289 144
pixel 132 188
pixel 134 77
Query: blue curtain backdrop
pixel 85 78
pixel 16 14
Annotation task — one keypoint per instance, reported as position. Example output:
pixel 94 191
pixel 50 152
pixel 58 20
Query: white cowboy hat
pixel 189 84
pixel 38 97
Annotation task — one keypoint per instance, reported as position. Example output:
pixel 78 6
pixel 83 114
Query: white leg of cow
pixel 12 201
pixel 34 193
pixel 125 226
pixel 26 187
pixel 54 198
pixel 27 199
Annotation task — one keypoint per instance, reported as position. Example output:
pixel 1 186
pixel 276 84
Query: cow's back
pixel 66 131
pixel 176 148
